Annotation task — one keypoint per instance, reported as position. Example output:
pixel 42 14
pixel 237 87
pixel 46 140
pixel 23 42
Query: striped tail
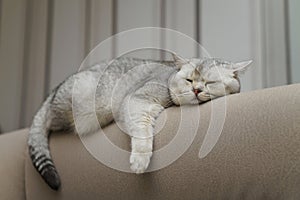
pixel 38 145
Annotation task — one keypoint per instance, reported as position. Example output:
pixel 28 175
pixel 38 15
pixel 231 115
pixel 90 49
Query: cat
pixel 144 88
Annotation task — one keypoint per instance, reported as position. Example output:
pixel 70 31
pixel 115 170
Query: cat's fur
pixel 137 94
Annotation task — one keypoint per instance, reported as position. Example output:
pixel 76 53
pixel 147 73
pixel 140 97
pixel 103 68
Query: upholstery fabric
pixel 12 166
pixel 256 157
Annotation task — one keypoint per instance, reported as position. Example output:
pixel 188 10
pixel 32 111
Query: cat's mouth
pixel 197 91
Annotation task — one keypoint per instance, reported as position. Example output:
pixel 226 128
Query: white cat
pixel 132 92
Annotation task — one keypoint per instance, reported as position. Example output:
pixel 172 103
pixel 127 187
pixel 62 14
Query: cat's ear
pixel 241 66
pixel 179 62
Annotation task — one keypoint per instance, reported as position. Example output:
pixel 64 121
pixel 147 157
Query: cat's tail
pixel 38 145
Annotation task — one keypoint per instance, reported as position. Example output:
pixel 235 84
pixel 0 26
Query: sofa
pixel 257 156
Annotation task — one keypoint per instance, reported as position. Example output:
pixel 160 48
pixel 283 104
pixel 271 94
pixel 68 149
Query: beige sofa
pixel 256 157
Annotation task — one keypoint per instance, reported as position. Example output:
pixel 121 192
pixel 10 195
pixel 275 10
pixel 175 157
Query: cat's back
pixel 131 71
pixel 125 75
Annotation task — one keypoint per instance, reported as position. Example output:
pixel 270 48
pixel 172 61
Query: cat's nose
pixel 196 91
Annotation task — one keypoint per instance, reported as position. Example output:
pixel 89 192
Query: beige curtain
pixel 44 41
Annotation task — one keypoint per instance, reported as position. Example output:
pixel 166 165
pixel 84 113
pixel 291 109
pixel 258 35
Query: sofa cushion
pixel 257 156
pixel 12 155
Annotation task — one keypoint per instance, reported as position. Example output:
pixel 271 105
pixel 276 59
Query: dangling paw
pixel 139 162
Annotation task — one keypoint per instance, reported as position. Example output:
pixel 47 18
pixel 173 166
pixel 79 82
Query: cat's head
pixel 200 80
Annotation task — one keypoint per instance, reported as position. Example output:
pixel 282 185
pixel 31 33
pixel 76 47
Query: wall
pixel 44 41
pixel 11 57
pixel 294 39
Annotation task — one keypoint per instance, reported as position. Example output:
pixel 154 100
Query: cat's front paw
pixel 139 162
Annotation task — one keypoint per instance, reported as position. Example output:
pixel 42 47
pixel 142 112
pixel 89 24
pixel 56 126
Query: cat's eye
pixel 209 82
pixel 189 80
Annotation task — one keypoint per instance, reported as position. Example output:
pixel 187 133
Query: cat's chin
pixel 190 102
pixel 196 101
pixel 203 97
